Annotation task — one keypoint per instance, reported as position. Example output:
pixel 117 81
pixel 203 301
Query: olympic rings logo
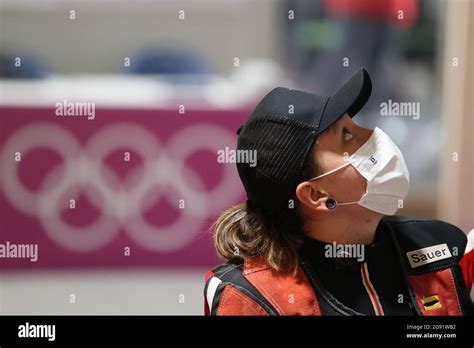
pixel 122 202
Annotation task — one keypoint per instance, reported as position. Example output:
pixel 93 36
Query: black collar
pixel 328 257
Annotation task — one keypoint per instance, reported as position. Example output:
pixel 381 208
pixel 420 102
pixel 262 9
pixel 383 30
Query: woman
pixel 317 235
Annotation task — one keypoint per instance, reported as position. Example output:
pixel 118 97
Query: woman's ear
pixel 311 197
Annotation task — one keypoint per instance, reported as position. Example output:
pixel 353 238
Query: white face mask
pixel 381 163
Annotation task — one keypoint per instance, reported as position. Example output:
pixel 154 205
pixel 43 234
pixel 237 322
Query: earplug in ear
pixel 331 203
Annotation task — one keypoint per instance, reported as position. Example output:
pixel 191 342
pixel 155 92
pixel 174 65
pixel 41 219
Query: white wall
pixel 152 292
pixel 105 31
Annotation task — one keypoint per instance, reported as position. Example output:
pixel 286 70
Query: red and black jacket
pixel 431 262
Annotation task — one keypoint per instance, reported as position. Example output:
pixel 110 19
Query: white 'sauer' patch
pixel 431 254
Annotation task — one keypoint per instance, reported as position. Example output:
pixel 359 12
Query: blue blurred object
pixel 21 66
pixel 168 61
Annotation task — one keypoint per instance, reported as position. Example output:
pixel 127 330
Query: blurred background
pixel 112 113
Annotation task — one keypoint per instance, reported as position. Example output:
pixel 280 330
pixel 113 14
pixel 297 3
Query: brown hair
pixel 247 232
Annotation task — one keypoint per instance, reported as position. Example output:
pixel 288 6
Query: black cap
pixel 281 131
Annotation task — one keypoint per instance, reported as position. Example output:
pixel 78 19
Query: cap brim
pixel 349 98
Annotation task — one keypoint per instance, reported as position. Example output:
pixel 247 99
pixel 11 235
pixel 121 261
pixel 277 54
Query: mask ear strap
pixel 348 203
pixel 331 171
pixel 331 203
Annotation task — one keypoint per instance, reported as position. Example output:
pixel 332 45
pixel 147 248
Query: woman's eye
pixel 347 135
